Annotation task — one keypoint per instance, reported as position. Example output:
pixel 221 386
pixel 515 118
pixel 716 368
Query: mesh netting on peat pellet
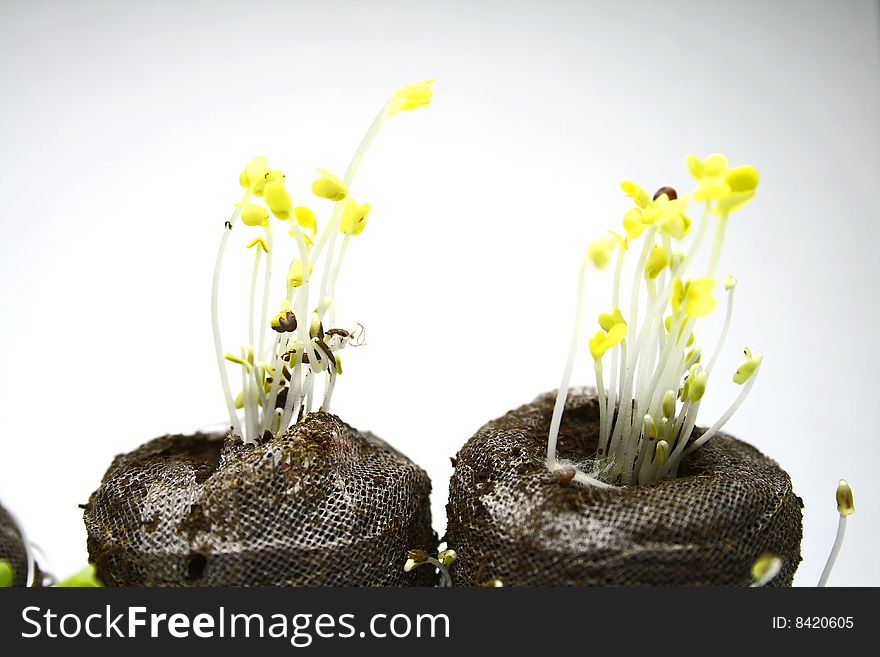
pixel 320 505
pixel 511 519
pixel 14 551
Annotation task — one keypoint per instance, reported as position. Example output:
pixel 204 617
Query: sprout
pixel 648 352
pixel 86 578
pixel 7 577
pixel 444 560
pixel 410 97
pixel 329 186
pixel 765 568
pixel 845 507
pixel 285 356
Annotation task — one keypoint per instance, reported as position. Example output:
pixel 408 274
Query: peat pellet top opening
pixel 512 519
pixel 320 504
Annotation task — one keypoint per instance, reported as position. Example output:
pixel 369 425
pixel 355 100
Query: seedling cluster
pixel 289 348
pixel 656 375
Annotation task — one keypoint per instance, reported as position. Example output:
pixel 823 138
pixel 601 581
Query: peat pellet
pixel 321 505
pixel 14 551
pixel 512 520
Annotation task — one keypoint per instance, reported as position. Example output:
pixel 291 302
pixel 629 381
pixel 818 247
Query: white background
pixel 123 127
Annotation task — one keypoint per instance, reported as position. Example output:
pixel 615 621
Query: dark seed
pixel 671 194
pixel 286 324
pixel 565 475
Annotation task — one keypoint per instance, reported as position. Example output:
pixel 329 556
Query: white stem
pixel 328 391
pixel 723 337
pixel 603 410
pixel 683 415
pixel 252 299
pixel 630 442
pixel 623 425
pixel 267 282
pixel 586 480
pixel 835 550
pixel 334 274
pixel 727 414
pixel 637 279
pixel 623 361
pixel 692 252
pixel 294 398
pixel 690 420
pixel 309 391
pixel 615 394
pixel 562 394
pixel 615 291
pixel 717 243
pixel 445 577
pixel 668 350
pixel 332 228
pixel 626 398
pixel 612 388
pixel 646 467
pixel 245 396
pixel 279 345
pixel 649 347
pixel 303 316
pixel 215 324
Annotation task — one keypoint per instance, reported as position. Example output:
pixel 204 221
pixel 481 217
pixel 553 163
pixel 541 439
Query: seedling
pixel 443 562
pixel 657 376
pixel 768 565
pixel 86 578
pixel 6 574
pixel 765 569
pixel 845 507
pixel 288 349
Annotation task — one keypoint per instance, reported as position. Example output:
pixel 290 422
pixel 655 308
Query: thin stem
pixel 665 357
pixel 692 252
pixel 445 577
pixel 303 317
pixel 727 414
pixel 245 396
pixel 623 361
pixel 294 397
pixel 646 467
pixel 278 365
pixel 717 243
pixel 334 274
pixel 637 278
pixel 615 363
pixel 586 480
pixel 835 550
pixel 328 391
pixel 332 228
pixel 215 323
pixel 562 394
pixel 690 421
pixel 252 297
pixel 624 417
pixel 309 390
pixel 600 393
pixel 723 337
pixel 267 282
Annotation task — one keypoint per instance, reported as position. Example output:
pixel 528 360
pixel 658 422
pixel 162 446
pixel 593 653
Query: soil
pixel 510 518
